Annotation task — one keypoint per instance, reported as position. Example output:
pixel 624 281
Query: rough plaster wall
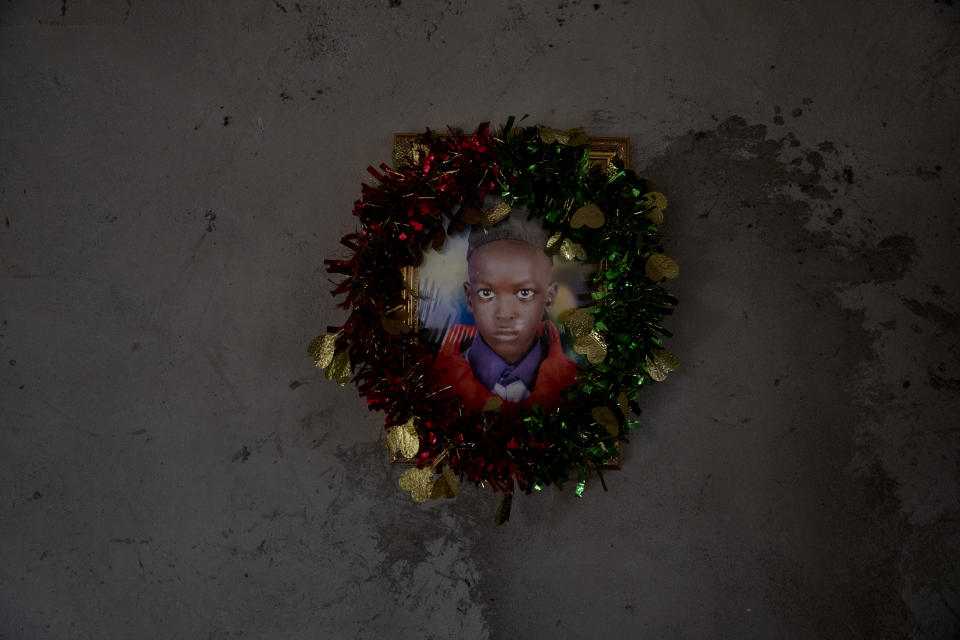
pixel 171 466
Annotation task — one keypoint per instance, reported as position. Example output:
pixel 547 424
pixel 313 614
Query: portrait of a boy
pixel 513 351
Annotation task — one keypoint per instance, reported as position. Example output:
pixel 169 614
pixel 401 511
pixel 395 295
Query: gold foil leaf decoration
pixel 656 372
pixel 403 439
pixel 322 349
pixel 654 199
pixel 593 346
pixel 553 241
pixel 419 482
pixel 572 137
pixel 580 321
pixel 570 251
pixel 660 363
pixel 393 326
pixel 452 480
pixel 445 486
pixel 394 321
pixel 339 370
pixel 578 137
pixel 606 417
pixel 666 359
pixel 660 266
pixel 548 135
pixel 441 489
pixel 496 213
pixel 493 404
pixel 589 215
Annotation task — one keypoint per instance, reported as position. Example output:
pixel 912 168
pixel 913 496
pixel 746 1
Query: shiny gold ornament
pixel 589 215
pixel 571 137
pixel 660 266
pixel 403 439
pixel 419 482
pixel 340 370
pixel 492 405
pixel 580 321
pixel 570 251
pixel 495 214
pixel 322 349
pixel 606 417
pixel 593 346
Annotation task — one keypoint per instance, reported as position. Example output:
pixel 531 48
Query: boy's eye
pixel 525 294
pixel 485 294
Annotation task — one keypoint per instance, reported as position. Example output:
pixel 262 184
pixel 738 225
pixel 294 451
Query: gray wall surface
pixel 172 175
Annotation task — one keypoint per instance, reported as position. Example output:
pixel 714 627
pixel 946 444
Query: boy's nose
pixel 505 308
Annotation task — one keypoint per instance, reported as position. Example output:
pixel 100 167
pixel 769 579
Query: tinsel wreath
pixel 606 217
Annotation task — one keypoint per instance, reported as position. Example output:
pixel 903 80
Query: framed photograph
pixel 490 304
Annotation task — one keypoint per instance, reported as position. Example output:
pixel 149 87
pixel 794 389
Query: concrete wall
pixel 172 466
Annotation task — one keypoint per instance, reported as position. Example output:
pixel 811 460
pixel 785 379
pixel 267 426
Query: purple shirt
pixel 496 375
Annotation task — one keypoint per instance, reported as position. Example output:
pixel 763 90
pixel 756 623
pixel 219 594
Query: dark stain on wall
pixel 735 177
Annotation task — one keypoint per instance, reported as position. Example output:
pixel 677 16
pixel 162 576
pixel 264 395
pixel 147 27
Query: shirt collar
pixel 489 368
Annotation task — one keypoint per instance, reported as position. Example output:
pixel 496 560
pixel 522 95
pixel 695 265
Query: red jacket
pixel 556 372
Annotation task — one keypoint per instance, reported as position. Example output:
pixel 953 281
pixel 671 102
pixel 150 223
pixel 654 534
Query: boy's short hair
pixel 515 226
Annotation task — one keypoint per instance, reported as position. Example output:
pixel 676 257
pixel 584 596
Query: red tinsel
pixel 403 214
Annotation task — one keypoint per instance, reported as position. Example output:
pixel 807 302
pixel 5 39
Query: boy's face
pixel 510 287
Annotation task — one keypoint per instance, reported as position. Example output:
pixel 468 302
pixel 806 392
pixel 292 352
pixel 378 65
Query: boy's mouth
pixel 505 333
